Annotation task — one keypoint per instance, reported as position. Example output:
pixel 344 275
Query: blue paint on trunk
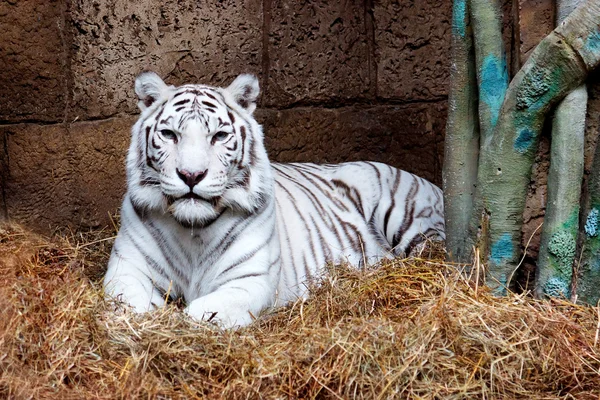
pixel 502 250
pixel 493 85
pixel 500 290
pixel 592 42
pixel 524 141
pixel 459 18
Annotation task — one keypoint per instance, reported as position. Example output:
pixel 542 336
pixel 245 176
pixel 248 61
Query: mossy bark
pixel 587 288
pixel 558 65
pixel 462 136
pixel 558 246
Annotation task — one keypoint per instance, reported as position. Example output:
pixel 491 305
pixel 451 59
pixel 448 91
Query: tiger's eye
pixel 169 134
pixel 219 137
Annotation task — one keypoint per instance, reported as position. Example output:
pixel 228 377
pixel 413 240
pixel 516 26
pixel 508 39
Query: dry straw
pixel 413 328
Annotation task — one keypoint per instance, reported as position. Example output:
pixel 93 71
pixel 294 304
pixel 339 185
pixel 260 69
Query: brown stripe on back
pixel 350 193
pixel 409 215
pixel 355 237
pixel 308 230
pixel 316 202
pixel 309 193
pixel 425 212
pixel 388 213
pixel 376 170
pixel 307 175
pixel 326 250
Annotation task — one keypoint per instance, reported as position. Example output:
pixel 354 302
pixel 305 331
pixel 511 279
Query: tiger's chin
pixel 194 213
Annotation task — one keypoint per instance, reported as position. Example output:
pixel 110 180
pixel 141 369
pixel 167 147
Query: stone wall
pixel 345 80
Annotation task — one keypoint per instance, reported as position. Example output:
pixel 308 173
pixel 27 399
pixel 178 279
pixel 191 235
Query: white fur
pixel 150 88
pixel 250 233
pixel 245 89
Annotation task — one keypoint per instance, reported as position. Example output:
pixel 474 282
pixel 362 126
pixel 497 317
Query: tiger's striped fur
pixel 208 218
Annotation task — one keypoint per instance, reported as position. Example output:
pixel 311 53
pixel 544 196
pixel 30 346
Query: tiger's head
pixel 196 150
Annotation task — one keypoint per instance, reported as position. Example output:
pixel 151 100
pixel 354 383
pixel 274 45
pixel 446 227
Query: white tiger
pixel 209 219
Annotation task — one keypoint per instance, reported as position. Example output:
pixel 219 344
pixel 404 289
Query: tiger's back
pixel 353 212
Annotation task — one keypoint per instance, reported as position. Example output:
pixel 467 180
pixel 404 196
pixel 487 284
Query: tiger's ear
pixel 150 88
pixel 244 90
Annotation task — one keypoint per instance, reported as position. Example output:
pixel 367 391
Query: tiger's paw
pixel 225 314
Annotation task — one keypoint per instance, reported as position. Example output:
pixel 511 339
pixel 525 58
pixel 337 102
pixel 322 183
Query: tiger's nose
pixel 191 178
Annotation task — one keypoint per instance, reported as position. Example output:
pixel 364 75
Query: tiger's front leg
pixel 234 306
pixel 244 284
pixel 130 279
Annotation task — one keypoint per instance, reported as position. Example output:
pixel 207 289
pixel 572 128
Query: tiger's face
pixel 197 150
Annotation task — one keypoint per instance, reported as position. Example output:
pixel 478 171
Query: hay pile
pixel 411 329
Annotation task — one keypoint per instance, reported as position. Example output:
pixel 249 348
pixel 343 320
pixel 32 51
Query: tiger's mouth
pixel 192 195
pixel 214 201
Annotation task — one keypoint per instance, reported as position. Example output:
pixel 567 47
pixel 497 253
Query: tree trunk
pixel 559 64
pixel 462 136
pixel 558 245
pixel 561 223
pixel 492 74
pixel 492 82
pixel 588 275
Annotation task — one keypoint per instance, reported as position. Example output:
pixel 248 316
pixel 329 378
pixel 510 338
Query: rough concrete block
pixel 408 137
pixel 33 60
pixel 183 41
pixel 66 175
pixel 536 21
pixel 412 42
pixel 318 52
